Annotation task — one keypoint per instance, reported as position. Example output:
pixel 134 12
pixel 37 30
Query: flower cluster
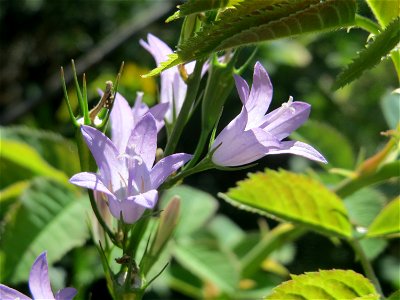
pixel 39 285
pixel 128 177
pixel 127 173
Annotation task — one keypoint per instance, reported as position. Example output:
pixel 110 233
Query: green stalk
pixel 366 265
pixel 367 24
pixel 193 84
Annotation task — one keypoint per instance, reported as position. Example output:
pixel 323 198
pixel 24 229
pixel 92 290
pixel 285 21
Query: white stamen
pixel 284 107
pixel 131 158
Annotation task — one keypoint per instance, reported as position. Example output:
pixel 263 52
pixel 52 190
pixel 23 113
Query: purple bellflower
pixel 39 285
pixel 173 88
pixel 128 178
pixel 123 118
pixel 254 134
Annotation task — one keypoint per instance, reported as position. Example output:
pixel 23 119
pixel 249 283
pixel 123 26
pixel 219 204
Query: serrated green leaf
pixel 254 21
pixel 204 258
pixel 384 11
pixel 196 6
pixel 56 150
pixel 26 158
pixel 372 55
pixel 387 222
pixel 330 284
pixel 292 197
pixel 329 141
pixel 50 218
pixel 196 208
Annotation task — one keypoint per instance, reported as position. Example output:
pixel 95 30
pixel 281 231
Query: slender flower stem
pixel 99 217
pixel 203 165
pixel 365 263
pixel 199 149
pixel 192 88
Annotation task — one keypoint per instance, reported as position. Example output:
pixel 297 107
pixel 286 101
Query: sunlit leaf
pixel 20 161
pixel 331 284
pixel 384 11
pixel 50 218
pixel 292 197
pixel 196 6
pixel 387 222
pixel 254 21
pixel 372 55
pixel 56 150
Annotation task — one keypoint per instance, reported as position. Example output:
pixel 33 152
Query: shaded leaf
pixel 383 43
pixel 331 284
pixel 196 208
pixel 329 141
pixel 226 231
pixel 254 21
pixel 50 218
pixel 390 105
pixel 387 222
pixel 364 205
pixel 292 197
pixel 205 259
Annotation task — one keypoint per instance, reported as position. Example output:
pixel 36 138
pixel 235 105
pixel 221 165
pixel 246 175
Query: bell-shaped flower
pixel 129 179
pixel 124 118
pixel 172 87
pixel 39 285
pixel 253 133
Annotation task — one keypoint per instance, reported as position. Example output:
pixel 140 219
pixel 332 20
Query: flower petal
pixel 158 111
pixel 7 293
pixel 130 211
pixel 143 141
pixel 90 181
pixel 39 282
pixel 242 88
pixel 299 148
pixel 260 95
pixel 139 109
pixel 147 200
pixel 160 51
pixel 230 132
pixel 121 122
pixel 133 207
pixel 283 121
pixel 247 147
pixel 112 169
pixel 166 167
pixel 157 48
pixel 66 294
